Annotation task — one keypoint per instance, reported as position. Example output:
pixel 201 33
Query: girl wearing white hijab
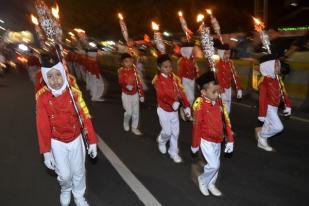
pixel 59 132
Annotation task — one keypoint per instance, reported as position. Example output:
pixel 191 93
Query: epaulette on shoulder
pixel 120 69
pixel 260 80
pixel 177 78
pixel 197 104
pixel 40 92
pixel 154 80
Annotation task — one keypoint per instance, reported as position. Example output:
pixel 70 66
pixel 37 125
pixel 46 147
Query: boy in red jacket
pixel 132 92
pixel 209 129
pixel 226 75
pixel 59 131
pixel 170 94
pixel 270 97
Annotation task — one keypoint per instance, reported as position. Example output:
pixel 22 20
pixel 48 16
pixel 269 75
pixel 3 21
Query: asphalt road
pixel 251 177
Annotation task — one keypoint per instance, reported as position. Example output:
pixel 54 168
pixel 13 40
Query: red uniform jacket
pixel 168 91
pixel 129 76
pixel 208 122
pixel 225 75
pixel 56 118
pixel 269 94
pixel 93 67
pixel 187 68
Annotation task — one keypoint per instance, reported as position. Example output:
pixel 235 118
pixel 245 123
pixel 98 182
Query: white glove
pixel 187 112
pixel 195 149
pixel 287 111
pixel 92 151
pixel 229 147
pixel 49 160
pixel 175 106
pixel 262 119
pixel 141 99
pixel 129 87
pixel 239 94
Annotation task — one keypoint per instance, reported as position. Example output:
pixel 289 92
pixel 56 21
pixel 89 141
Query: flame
pixel 209 11
pixel 256 20
pixel 34 20
pixel 78 30
pixel 180 13
pixel 71 34
pixel 120 16
pixel 155 26
pixel 55 11
pixel 200 17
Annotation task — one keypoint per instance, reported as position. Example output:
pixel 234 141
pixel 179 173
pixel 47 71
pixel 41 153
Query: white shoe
pixel 136 131
pixel 202 186
pixel 65 198
pixel 263 144
pixel 126 127
pixel 81 202
pixel 176 158
pixel 214 190
pixel 161 146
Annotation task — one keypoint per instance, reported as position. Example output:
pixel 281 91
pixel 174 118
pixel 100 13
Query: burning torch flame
pixel 78 30
pixel 34 20
pixel 209 11
pixel 55 11
pixel 71 34
pixel 155 26
pixel 259 25
pixel 180 13
pixel 200 17
pixel 120 16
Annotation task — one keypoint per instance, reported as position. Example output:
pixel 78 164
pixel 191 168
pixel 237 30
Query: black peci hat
pixel 162 58
pixel 49 59
pixel 187 44
pixel 125 55
pixel 205 79
pixel 267 57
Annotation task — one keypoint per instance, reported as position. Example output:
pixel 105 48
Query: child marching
pixel 271 92
pixel 170 94
pixel 60 131
pixel 210 126
pixel 132 93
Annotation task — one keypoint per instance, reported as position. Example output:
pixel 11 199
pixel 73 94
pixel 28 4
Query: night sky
pixel 98 17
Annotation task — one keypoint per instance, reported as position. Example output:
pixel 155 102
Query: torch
pixel 123 27
pixel 215 25
pixel 157 36
pixel 209 51
pixel 49 21
pixel 259 27
pixel 38 30
pixel 184 26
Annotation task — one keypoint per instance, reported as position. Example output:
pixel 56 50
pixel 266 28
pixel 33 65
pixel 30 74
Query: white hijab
pixel 268 68
pixel 220 53
pixel 186 52
pixel 59 67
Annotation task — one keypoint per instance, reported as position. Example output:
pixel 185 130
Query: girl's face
pixel 277 67
pixel 211 91
pixel 166 67
pixel 227 54
pixel 127 62
pixel 55 79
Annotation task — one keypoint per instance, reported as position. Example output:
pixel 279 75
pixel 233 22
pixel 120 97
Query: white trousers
pixel 227 98
pixel 169 122
pixel 130 104
pixel 272 124
pixel 189 86
pixel 70 166
pixel 211 152
pixel 96 86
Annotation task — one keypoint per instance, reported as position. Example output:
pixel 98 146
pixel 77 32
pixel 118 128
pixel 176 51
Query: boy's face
pixel 211 91
pixel 227 54
pixel 128 62
pixel 55 79
pixel 166 67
